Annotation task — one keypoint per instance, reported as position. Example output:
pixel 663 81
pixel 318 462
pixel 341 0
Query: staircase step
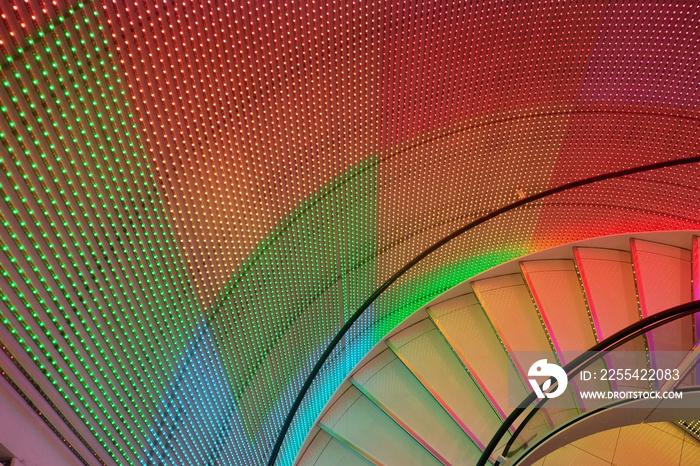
pixel 508 304
pixel 663 275
pixel 389 384
pixel 557 291
pixel 465 326
pixel 608 281
pixel 696 268
pixel 426 353
pixel 696 280
pixel 361 425
pixel 324 449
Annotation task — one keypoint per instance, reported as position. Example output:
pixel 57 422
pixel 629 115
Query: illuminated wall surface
pixel 196 195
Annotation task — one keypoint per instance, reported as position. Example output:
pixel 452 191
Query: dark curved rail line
pixel 344 329
pixel 575 366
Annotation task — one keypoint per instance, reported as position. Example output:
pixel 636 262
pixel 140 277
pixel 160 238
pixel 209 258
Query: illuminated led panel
pixel 197 195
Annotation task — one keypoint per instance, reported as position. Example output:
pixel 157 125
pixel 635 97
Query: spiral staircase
pixel 436 389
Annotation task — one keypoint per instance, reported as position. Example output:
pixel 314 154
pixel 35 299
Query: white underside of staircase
pixel 435 390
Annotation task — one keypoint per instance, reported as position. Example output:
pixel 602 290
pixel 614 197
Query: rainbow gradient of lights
pixel 197 195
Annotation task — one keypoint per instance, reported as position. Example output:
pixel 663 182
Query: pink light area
pixel 644 54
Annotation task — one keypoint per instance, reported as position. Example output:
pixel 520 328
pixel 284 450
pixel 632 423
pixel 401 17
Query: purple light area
pixel 644 54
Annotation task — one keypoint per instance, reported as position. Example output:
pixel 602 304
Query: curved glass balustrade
pixel 645 366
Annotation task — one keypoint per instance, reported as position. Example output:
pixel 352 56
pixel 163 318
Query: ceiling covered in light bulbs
pixel 197 195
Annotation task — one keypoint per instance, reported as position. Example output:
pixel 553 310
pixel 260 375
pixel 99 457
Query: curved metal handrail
pixel 373 297
pixel 578 364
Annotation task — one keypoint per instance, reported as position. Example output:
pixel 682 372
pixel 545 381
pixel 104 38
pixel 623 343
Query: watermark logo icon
pixel 541 369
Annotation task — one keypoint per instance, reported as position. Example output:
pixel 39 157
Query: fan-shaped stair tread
pixel 427 354
pixel 324 450
pixel 363 426
pixel 389 383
